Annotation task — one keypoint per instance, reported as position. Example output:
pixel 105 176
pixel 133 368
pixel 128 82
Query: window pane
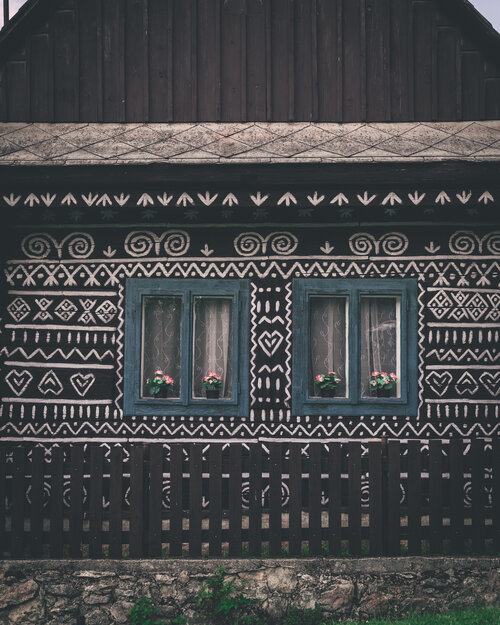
pixel 213 342
pixel 380 344
pixel 327 341
pixel 161 340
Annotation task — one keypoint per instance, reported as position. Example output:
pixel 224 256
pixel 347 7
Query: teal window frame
pixel 354 404
pixel 186 404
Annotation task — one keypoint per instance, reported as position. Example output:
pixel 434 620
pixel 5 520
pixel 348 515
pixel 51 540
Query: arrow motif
pixel 259 199
pixel 206 251
pixel 207 199
pixel 184 199
pixel 315 200
pixel 109 252
pixel 416 198
pixel 89 199
pixel 464 197
pixel 103 200
pixel 122 199
pixel 340 199
pixel 31 200
pixel 11 200
pixel 287 198
pixel 145 199
pixel 365 200
pixel 48 199
pixel 431 248
pixel 327 248
pixel 392 198
pixel 442 198
pixel 68 199
pixel 164 199
pixel 230 199
pixel 486 197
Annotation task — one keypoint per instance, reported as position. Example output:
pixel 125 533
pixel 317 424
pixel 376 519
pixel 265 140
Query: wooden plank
pixel 377 60
pixel 352 87
pixel 393 527
pixel 136 501
pixel 95 501
pixel 17 90
pixel 472 74
pixel 90 70
pixel 354 502
pixel 175 538
pixel 112 64
pixel 315 499
pixel 18 499
pixel 413 495
pixel 115 501
pixel 457 495
pixel 76 502
pixel 136 61
pixel 209 61
pixel 255 501
pixel 41 79
pixel 376 501
pixel 56 503
pixel 215 500
pixel 195 504
pixel 295 513
pixel 155 500
pixel 184 91
pixel 401 63
pixel 256 61
pixel 3 493
pixel 478 495
pixel 36 510
pixel 235 483
pixel 303 60
pixel 447 78
pixel 492 98
pixel 66 86
pixel 334 498
pixel 436 496
pixel 495 513
pixel 329 44
pixel 423 28
pixel 234 51
pixel 275 499
pixel 282 60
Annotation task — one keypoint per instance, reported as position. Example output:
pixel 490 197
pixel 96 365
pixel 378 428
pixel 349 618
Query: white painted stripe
pixel 486 367
pixel 69 439
pixel 465 290
pixel 478 325
pixel 461 401
pixel 70 402
pixel 36 326
pixel 65 293
pixel 59 365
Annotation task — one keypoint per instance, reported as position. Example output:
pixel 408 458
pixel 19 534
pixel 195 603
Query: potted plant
pixel 382 383
pixel 327 383
pixel 212 383
pixel 160 384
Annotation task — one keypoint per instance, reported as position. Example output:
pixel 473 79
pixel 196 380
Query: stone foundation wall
pixel 50 592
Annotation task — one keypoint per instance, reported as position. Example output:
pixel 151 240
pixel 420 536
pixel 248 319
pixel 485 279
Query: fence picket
pixel 435 496
pixel 56 538
pixel 275 470
pixel 376 501
pixel 115 502
pixel 76 502
pixel 496 495
pixel 95 501
pixel 175 538
pixel 255 501
pixel 456 495
pixel 334 499
pixel 36 508
pixel 354 503
pixel 195 503
pixel 155 500
pixel 295 513
pixel 136 544
pixel 235 500
pixel 413 497
pixel 215 500
pixel 393 528
pixel 3 483
pixel 18 498
pixel 478 495
pixel 315 499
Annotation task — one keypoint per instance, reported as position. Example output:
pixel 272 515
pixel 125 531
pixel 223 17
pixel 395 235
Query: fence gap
pixel 334 498
pixel 354 502
pixel 393 528
pixel 377 504
pixel 215 499
pixel 255 501
pixel 136 537
pixel 155 500
pixel 295 504
pixel 36 508
pixel 414 490
pixel 95 501
pixel 315 499
pixel 275 470
pixel 56 537
pixel 235 483
pixel 115 502
pixel 436 496
pixel 478 495
pixel 195 501
pixel 76 502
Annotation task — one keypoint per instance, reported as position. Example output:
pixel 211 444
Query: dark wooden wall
pixel 238 60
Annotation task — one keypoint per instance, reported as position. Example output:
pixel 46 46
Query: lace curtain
pixel 327 334
pixel 161 338
pixel 213 342
pixel 379 339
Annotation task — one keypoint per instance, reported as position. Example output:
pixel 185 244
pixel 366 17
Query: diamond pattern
pixel 18 309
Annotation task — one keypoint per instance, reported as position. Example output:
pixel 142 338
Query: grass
pixel 472 616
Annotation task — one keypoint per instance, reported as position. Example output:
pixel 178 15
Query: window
pixel 355 327
pixel 186 328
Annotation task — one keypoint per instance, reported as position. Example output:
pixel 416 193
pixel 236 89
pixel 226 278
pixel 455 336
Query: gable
pixel 256 60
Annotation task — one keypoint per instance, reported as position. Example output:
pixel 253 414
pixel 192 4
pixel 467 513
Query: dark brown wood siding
pixel 248 60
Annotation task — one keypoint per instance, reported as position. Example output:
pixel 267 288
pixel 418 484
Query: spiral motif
pixel 38 245
pixel 176 243
pixel 282 243
pixel 394 243
pixel 362 243
pixel 248 243
pixel 493 243
pixel 463 242
pixel 140 243
pixel 80 245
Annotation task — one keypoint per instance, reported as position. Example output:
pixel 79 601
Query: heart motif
pixel 270 341
pixel 18 381
pixel 50 383
pixel 82 383
pixel 439 382
pixel 491 382
pixel 466 384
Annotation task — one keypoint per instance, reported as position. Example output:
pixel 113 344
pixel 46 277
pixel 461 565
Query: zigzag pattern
pixel 120 350
pixel 39 352
pixel 451 355
pixel 253 343
pixel 288 339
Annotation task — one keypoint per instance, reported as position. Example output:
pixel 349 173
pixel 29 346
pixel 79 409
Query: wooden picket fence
pixel 162 500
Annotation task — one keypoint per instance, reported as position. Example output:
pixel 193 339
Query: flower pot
pixel 383 392
pixel 328 392
pixel 163 392
pixel 212 393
